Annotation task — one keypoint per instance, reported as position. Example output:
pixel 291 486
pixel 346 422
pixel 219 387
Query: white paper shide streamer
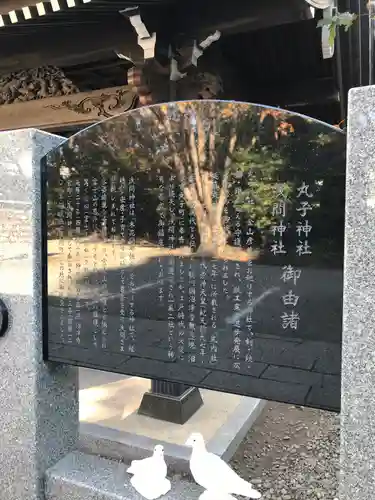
pixel 214 475
pixel 150 475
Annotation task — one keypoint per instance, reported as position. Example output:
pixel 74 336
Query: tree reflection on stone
pixel 207 145
pixel 255 197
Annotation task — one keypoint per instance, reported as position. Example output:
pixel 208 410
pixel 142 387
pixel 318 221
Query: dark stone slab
pixel 133 261
pixel 98 358
pixel 284 374
pixel 255 369
pixel 327 396
pixel 165 371
pixel 259 388
pixel 329 361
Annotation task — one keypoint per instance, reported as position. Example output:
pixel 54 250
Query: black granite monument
pixel 202 243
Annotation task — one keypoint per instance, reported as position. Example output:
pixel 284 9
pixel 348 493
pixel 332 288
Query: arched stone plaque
pixel 200 242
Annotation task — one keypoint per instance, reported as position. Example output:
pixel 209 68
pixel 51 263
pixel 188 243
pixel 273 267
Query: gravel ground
pixel 291 453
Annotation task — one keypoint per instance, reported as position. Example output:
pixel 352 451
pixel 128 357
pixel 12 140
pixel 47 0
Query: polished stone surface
pixel 39 402
pixel 357 467
pixel 201 243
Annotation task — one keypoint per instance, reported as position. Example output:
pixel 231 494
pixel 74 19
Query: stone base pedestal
pixel 171 408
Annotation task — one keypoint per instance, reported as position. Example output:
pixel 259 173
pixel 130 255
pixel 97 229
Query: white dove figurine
pixel 154 465
pixel 213 474
pixel 149 475
pixel 151 487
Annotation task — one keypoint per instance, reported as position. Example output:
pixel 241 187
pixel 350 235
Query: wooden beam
pixel 299 94
pixel 8 5
pixel 67 45
pixel 78 37
pixel 76 110
pixel 238 16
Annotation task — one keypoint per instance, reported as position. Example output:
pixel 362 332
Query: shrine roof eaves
pixel 21 13
pixel 13 12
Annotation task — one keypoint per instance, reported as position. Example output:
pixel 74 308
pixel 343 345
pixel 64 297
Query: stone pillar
pixel 357 470
pixel 38 401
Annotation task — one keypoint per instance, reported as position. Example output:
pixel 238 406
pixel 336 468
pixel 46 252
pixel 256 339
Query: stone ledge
pixel 88 477
pixel 230 435
pixel 125 446
pixel 113 444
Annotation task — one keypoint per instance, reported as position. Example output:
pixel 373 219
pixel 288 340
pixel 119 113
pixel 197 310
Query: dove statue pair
pixel 219 481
